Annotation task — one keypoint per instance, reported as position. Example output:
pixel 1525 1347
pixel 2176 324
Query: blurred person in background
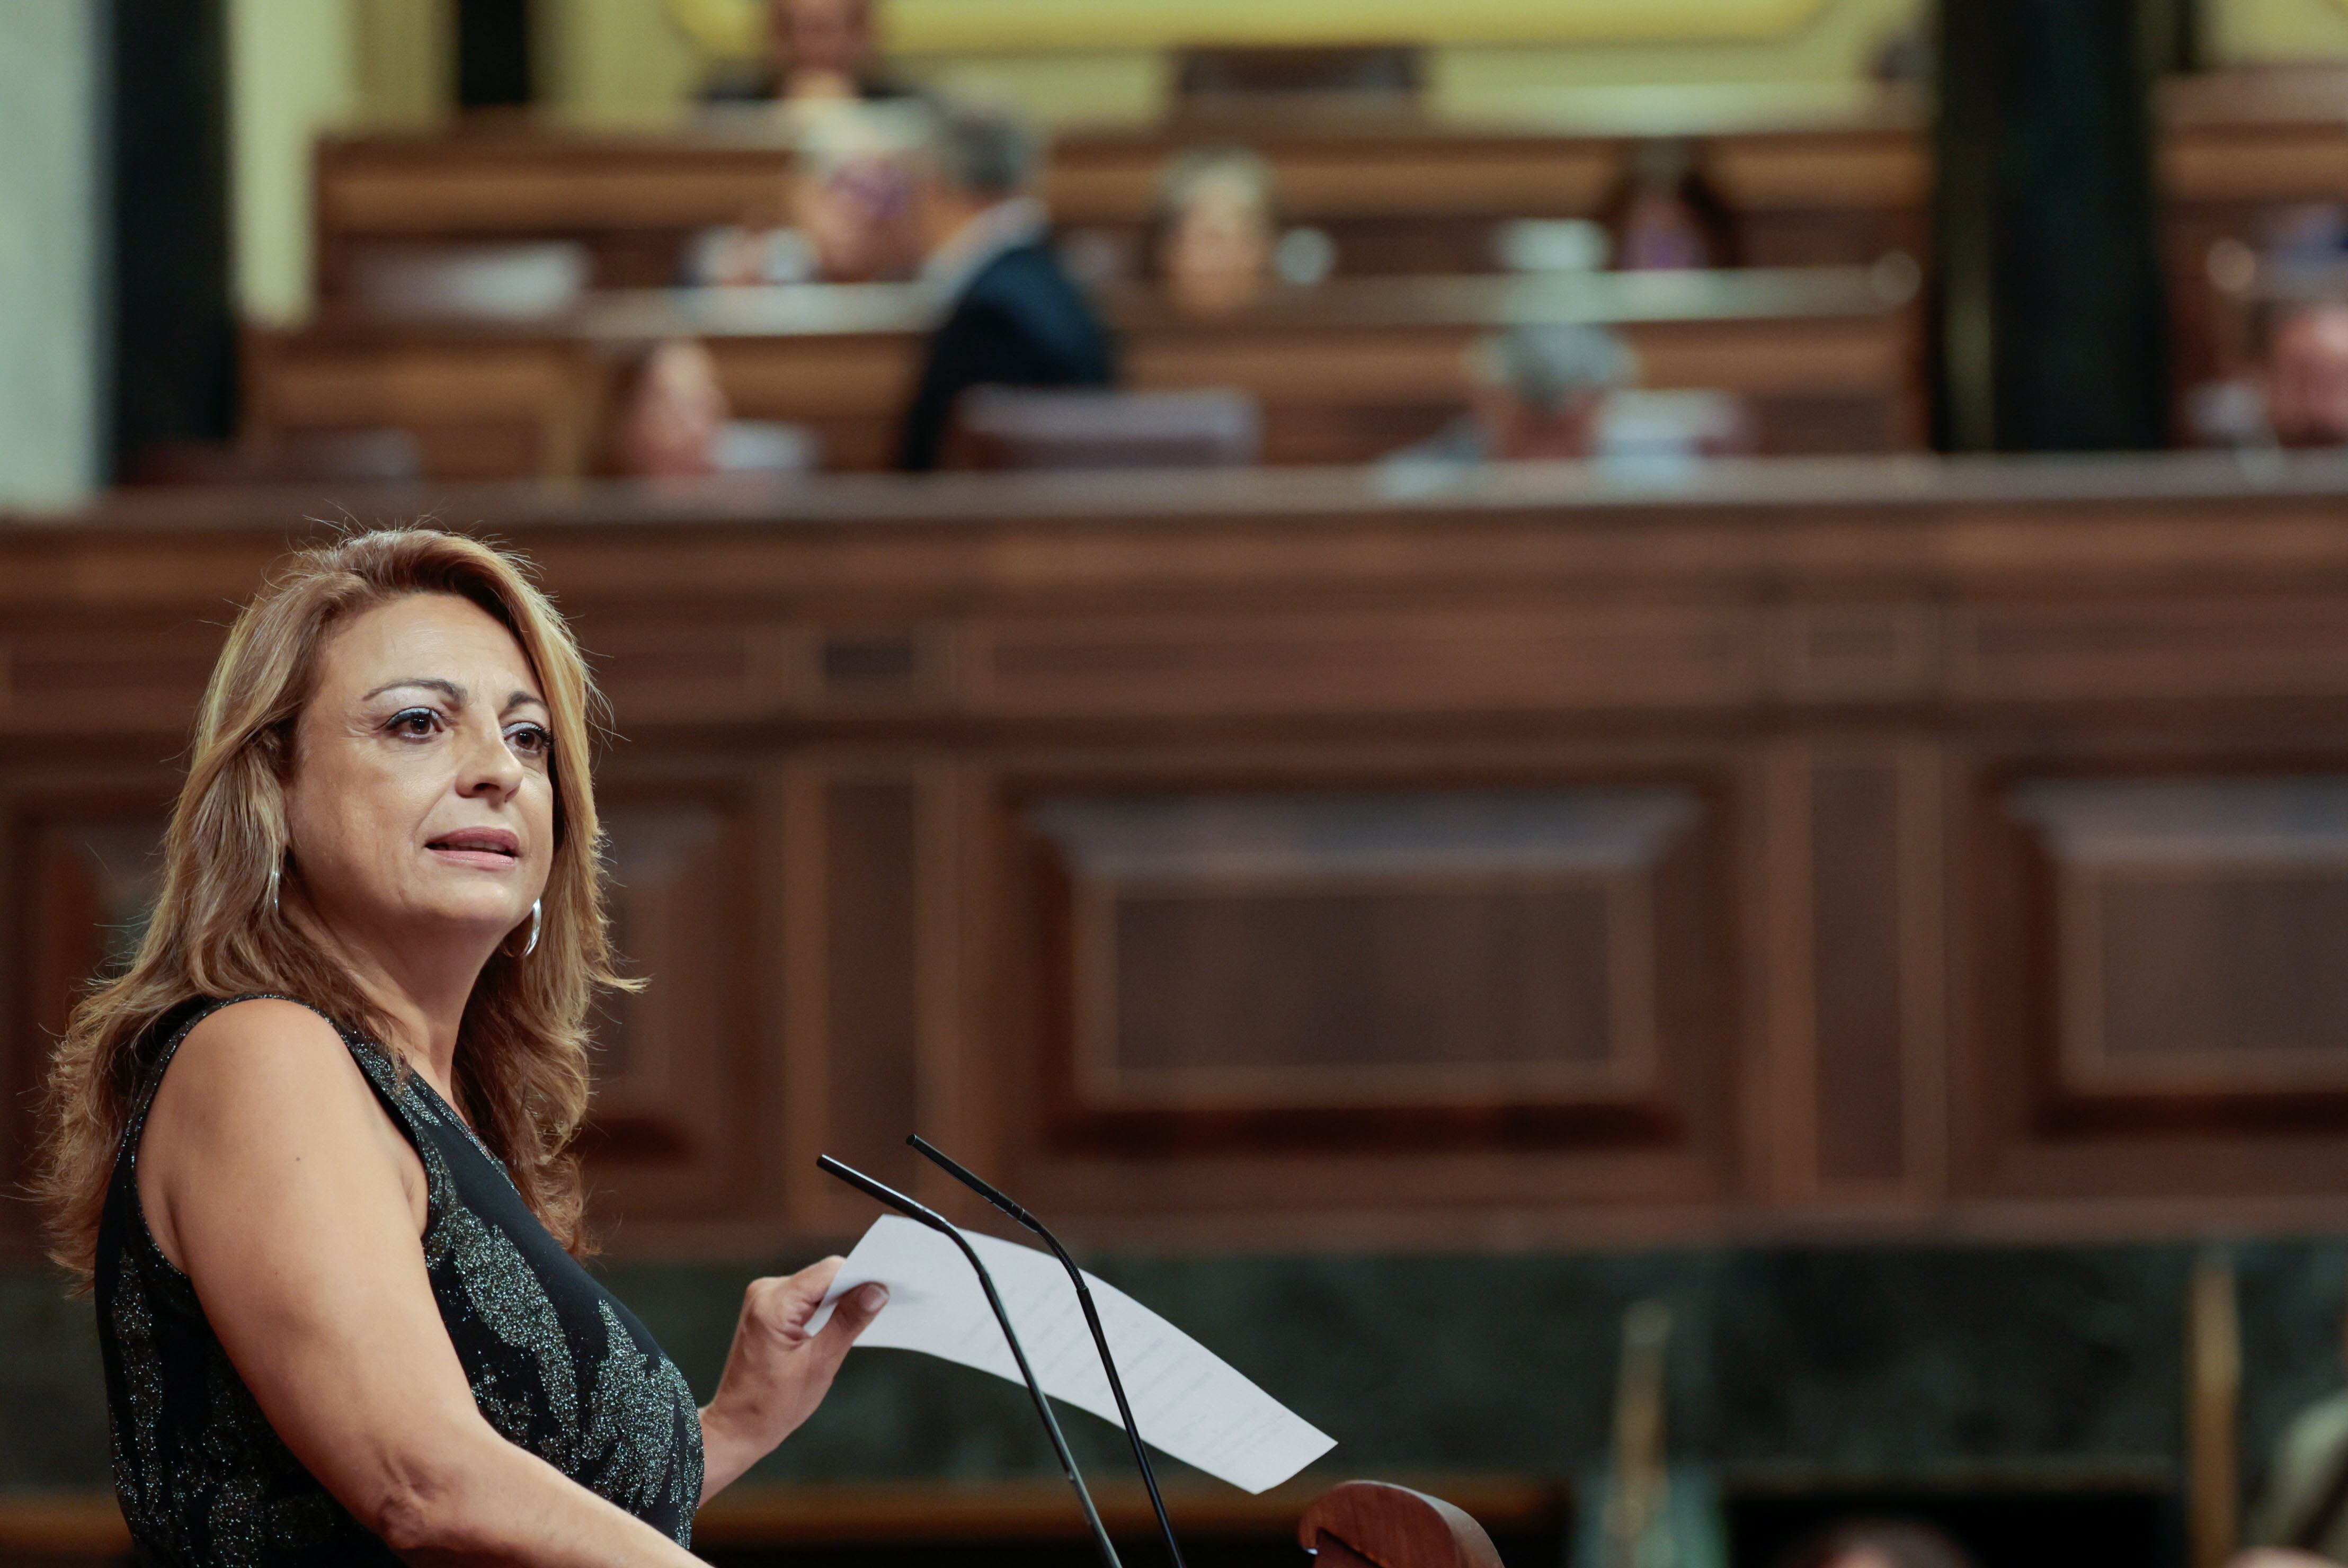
pixel 1565 390
pixel 677 423
pixel 816 51
pixel 1665 215
pixel 1876 1543
pixel 1012 315
pixel 2307 376
pixel 1217 223
pixel 845 214
pixel 854 195
pixel 1536 392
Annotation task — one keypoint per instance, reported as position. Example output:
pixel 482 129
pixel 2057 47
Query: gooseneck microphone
pixel 1019 1215
pixel 938 1222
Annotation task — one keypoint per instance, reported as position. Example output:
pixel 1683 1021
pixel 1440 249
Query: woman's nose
pixel 489 767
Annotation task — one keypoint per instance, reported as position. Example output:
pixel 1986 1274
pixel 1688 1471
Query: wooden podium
pixel 1372 1524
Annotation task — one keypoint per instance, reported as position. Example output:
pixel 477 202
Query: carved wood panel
pixel 1220 978
pixel 2201 927
pixel 2154 1008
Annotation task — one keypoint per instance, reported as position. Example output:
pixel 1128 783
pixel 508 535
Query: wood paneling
pixel 1277 858
pixel 1426 966
pixel 871 1046
pixel 861 948
pixel 1364 994
pixel 2198 925
pixel 1855 920
pixel 1576 653
pixel 80 869
pixel 2155 997
pixel 672 1127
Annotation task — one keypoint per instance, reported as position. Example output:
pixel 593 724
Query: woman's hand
pixel 777 1373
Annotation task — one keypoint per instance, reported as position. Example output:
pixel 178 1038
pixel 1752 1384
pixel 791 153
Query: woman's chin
pixel 485 924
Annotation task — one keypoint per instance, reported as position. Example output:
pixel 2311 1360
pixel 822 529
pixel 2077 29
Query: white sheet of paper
pixel 1186 1401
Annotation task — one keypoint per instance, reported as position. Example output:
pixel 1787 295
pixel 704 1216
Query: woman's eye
pixel 415 723
pixel 529 739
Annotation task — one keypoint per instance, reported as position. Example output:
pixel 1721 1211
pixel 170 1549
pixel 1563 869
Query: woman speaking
pixel 312 1149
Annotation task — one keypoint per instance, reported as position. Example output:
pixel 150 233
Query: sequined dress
pixel 557 1364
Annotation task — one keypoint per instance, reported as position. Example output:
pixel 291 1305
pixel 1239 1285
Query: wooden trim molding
pixel 941 26
pixel 88 1524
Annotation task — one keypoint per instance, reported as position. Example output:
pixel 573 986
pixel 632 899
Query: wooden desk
pixel 1830 358
pixel 1877 847
pixel 79 1527
pixel 1400 195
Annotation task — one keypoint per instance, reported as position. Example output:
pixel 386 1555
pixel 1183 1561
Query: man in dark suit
pixel 1012 317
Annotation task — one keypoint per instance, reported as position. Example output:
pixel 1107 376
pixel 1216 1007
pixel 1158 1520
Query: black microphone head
pixel 970 1179
pixel 880 1191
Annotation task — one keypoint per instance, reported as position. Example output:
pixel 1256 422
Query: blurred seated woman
pixel 313 1148
pixel 677 424
pixel 1665 216
pixel 1217 225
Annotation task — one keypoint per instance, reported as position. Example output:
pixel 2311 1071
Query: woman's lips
pixel 486 859
pixel 490 848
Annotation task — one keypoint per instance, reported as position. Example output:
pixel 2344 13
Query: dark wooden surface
pixel 1876 847
pixel 1399 193
pixel 1376 1523
pixel 83 1528
pixel 1829 359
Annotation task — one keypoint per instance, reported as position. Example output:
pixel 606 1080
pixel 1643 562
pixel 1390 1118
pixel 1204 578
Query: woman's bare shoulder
pixel 266 1060
pixel 273 1033
pixel 263 1110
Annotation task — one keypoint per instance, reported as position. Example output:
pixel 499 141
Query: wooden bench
pixel 1831 359
pixel 1400 194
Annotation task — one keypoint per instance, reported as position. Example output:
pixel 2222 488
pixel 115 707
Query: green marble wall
pixel 1891 1364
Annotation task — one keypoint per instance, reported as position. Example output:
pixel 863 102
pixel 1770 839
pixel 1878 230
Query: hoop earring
pixel 531 946
pixel 273 874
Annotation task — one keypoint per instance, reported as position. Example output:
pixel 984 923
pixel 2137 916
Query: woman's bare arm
pixel 274 1178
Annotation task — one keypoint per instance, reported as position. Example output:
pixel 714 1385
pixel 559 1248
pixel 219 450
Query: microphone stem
pixel 1043 1405
pixel 1018 1213
pixel 1116 1386
pixel 923 1215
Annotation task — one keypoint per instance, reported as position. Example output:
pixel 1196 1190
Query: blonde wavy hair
pixel 521 1050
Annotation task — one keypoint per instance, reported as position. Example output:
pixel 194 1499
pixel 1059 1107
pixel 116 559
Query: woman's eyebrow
pixel 525 699
pixel 446 688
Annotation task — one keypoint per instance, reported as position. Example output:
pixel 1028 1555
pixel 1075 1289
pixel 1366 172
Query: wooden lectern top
pixel 1374 1524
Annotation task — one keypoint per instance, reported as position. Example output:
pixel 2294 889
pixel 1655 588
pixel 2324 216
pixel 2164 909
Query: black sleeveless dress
pixel 557 1364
